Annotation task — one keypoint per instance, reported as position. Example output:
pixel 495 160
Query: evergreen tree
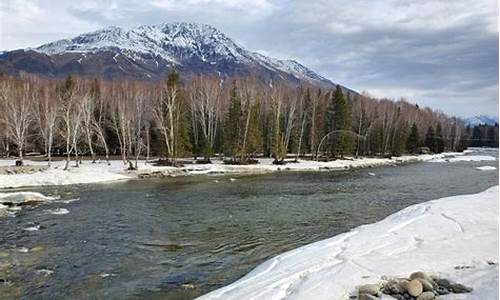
pixel 430 139
pixel 181 134
pixel 254 135
pixel 399 140
pixel 278 152
pixel 376 139
pixel 413 140
pixel 233 123
pixel 439 144
pixel 476 137
pixel 338 121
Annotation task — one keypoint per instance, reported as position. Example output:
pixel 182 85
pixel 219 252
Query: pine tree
pixel 439 144
pixel 254 135
pixel 277 150
pixel 376 139
pixel 412 141
pixel 476 137
pixel 399 141
pixel 233 123
pixel 174 111
pixel 341 122
pixel 430 139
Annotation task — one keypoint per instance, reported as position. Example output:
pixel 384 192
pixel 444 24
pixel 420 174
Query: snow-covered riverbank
pixel 454 237
pixel 101 172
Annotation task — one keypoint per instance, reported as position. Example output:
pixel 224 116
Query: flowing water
pixel 178 238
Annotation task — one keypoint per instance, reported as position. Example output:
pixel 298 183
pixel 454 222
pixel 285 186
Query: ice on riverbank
pixel 58 211
pixel 12 202
pixel 89 172
pixel 454 237
pixel 466 158
pixel 486 168
pixel 17 198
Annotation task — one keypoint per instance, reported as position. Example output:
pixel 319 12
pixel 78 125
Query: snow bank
pixel 10 202
pixel 55 175
pixel 20 197
pixel 102 172
pixel 466 158
pixel 486 168
pixel 454 237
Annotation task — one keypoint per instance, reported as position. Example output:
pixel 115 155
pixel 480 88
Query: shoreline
pixel 100 172
pixel 444 237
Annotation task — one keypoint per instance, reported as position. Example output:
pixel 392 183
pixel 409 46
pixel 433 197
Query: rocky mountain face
pixel 150 52
pixel 481 120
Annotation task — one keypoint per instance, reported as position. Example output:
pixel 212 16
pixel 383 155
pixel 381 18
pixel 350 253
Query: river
pixel 178 238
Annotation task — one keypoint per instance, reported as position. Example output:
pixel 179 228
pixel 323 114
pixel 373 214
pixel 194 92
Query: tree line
pixel 483 135
pixel 203 116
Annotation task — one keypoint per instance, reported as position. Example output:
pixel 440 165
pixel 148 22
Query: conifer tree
pixel 399 140
pixel 430 139
pixel 338 119
pixel 233 123
pixel 439 144
pixel 254 134
pixel 412 141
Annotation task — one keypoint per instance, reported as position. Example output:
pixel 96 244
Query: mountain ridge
pixel 150 51
pixel 481 120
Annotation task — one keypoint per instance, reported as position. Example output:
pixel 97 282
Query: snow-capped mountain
pixel 150 52
pixel 481 120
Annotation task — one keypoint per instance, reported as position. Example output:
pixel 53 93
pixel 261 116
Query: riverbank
pixel 454 237
pixel 40 175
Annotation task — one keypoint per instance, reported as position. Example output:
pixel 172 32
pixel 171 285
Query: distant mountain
pixel 481 120
pixel 150 52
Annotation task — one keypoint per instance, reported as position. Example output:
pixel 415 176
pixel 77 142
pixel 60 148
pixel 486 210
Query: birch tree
pixel 18 112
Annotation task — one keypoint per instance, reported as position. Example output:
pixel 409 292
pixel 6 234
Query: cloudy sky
pixel 439 53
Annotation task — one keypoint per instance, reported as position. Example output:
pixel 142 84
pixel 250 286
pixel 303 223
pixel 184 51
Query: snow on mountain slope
pixel 481 120
pixel 187 45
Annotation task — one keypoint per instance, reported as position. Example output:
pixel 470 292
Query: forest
pixel 238 119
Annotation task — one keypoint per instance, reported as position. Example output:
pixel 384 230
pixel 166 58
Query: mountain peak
pixel 148 51
pixel 481 120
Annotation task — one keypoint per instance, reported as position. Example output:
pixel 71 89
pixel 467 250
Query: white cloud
pixel 441 52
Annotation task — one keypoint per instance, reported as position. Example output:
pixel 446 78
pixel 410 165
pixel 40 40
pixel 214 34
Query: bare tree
pixel 46 112
pixel 166 112
pixel 87 111
pixel 18 112
pixel 205 95
pixel 71 118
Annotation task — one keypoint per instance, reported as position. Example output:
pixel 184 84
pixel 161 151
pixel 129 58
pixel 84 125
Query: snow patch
pixel 102 172
pixel 435 237
pixel 486 168
pixel 465 158
pixel 58 211
pixel 32 228
pixel 21 197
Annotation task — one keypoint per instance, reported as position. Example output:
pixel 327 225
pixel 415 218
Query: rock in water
pixel 414 288
pixel 370 289
pixel 426 296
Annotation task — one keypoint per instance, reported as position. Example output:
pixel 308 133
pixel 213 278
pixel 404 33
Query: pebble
pixel 442 290
pixel 367 297
pixel 459 288
pixel 426 296
pixel 427 286
pixel 414 288
pixel 370 289
pixel 422 275
pixel 395 287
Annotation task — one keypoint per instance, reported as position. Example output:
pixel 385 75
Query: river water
pixel 178 238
